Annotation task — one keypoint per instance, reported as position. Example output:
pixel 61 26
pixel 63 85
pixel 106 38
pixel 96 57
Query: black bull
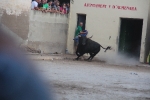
pixel 87 45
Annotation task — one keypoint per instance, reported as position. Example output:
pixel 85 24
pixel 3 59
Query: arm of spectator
pixel 44 10
pixel 81 32
pixel 48 10
pixel 54 9
pixel 34 6
pixel 61 10
pixel 58 9
pixel 40 9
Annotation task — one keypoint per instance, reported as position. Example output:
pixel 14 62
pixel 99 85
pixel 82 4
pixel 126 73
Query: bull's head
pixel 82 40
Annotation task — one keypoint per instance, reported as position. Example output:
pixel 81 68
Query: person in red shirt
pixel 63 9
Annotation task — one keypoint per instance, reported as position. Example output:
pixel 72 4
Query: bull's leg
pixel 94 53
pixel 79 55
pixel 78 58
pixel 89 57
pixel 92 56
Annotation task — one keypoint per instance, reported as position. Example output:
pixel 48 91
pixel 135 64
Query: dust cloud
pixel 119 59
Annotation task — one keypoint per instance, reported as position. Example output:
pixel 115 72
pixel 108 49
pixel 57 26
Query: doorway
pixel 130 37
pixel 81 18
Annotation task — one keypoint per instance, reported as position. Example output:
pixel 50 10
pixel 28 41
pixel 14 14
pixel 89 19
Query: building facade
pixel 121 24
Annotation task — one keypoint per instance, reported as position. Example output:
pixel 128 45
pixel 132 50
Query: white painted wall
pixel 14 17
pixel 15 7
pixel 105 22
pixel 48 32
pixel 147 48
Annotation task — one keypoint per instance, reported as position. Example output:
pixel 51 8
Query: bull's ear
pixel 110 48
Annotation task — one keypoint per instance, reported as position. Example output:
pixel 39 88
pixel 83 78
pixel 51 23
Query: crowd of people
pixel 50 6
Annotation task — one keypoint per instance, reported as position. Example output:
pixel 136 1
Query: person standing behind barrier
pixel 50 6
pixel 78 32
pixel 68 8
pixel 45 6
pixel 63 9
pixel 57 7
pixel 40 5
pixel 34 4
pixel 55 2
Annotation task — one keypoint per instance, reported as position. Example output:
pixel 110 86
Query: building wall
pixel 147 46
pixel 104 23
pixel 48 32
pixel 14 16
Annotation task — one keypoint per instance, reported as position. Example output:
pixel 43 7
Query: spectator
pixel 55 2
pixel 34 5
pixel 51 7
pixel 49 1
pixel 57 6
pixel 40 5
pixel 63 9
pixel 68 7
pixel 45 6
pixel 50 4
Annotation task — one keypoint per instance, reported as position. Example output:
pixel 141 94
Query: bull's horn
pixel 91 36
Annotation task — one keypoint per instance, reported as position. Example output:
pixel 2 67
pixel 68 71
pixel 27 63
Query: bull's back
pixel 91 46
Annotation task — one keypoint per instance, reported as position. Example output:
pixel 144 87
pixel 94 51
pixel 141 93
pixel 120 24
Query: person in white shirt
pixel 34 5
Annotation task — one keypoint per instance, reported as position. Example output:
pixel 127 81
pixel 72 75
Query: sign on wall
pixel 119 7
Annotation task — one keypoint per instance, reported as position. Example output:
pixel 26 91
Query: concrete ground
pixel 81 80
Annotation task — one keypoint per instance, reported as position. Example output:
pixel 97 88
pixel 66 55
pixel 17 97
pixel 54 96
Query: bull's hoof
pixel 89 60
pixel 79 59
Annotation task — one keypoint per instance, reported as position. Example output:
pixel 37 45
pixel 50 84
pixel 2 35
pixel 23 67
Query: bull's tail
pixel 106 48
